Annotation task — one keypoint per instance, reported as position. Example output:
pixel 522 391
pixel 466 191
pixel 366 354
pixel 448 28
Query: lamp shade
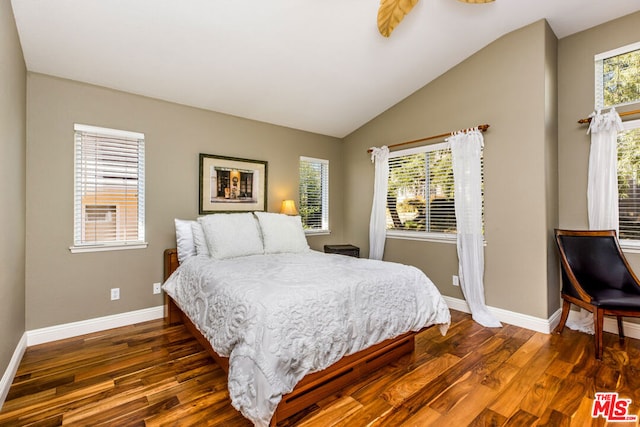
pixel 289 207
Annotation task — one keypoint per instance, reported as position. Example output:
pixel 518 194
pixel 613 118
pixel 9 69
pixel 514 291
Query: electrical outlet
pixel 156 288
pixel 115 294
pixel 455 280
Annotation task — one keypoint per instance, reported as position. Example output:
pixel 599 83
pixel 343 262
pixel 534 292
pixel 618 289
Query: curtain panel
pixel 378 221
pixel 466 151
pixel 602 189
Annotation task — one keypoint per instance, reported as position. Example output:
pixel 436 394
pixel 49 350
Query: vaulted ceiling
pixel 319 66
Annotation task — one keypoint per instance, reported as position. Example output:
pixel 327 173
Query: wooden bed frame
pixel 315 386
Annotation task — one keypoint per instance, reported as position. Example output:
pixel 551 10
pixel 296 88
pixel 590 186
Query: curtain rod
pixel 626 113
pixel 482 128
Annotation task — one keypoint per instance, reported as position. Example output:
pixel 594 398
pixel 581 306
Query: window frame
pixel 79 245
pixel 325 229
pixel 629 245
pixel 428 236
pixel 599 72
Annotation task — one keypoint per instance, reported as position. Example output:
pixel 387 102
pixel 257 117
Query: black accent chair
pixel 596 276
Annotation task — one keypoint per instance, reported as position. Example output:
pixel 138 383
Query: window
pixel 629 181
pixel 420 197
pixel 618 76
pixel 314 194
pixel 109 189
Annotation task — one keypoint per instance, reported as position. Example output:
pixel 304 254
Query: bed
pixel 288 324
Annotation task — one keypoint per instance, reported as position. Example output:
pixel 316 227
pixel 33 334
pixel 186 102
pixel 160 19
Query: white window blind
pixel 109 189
pixel 420 196
pixel 617 76
pixel 629 180
pixel 314 194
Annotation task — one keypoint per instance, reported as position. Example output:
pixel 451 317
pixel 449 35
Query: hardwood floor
pixel 151 374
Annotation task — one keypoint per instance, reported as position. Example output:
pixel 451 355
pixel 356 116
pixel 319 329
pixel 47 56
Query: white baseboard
pixel 546 326
pixel 511 317
pixel 68 330
pixel 631 330
pixel 10 372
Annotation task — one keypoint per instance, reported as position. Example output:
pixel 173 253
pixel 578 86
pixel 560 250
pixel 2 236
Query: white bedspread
pixel 279 317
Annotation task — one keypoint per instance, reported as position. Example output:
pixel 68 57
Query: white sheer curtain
pixel 602 188
pixel 378 221
pixel 466 150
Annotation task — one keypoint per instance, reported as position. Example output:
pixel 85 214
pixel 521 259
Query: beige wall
pixel 511 85
pixel 531 184
pixel 62 287
pixel 551 168
pixel 12 186
pixel 576 98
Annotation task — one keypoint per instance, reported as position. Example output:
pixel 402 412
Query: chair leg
pixel 566 306
pixel 620 329
pixel 598 322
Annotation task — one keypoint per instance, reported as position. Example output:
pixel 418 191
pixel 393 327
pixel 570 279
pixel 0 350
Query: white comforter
pixel 279 317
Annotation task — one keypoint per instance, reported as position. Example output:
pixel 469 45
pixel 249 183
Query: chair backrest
pixel 595 260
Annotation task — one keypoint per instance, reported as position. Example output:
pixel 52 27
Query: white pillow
pixel 282 233
pixel 232 235
pixel 184 239
pixel 199 240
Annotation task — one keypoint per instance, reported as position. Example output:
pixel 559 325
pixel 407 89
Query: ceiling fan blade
pixel 391 12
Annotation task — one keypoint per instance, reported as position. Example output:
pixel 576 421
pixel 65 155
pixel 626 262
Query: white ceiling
pixel 315 65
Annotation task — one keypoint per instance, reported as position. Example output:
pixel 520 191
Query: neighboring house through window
pixel 109 189
pixel 314 195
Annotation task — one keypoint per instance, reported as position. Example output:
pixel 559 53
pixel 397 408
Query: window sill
pixel 421 236
pixel 317 232
pixel 449 238
pixel 103 248
pixel 630 246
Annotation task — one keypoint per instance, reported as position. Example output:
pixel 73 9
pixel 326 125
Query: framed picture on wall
pixel 231 184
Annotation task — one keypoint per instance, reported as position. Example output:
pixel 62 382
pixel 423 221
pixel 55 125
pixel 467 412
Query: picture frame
pixel 231 184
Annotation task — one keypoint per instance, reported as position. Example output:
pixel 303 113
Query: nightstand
pixel 349 250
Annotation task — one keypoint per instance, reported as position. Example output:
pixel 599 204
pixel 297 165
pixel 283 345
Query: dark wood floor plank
pixel 57 405
pixel 488 418
pixel 150 374
pixel 367 414
pixel 541 395
pixel 569 396
pixel 553 418
pixel 337 414
pixel 412 382
pixel 521 419
pixel 509 400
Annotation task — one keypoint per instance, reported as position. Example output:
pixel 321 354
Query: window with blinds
pixel 314 194
pixel 420 195
pixel 109 189
pixel 628 181
pixel 617 74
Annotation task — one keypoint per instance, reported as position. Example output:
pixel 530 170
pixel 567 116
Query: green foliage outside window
pixel 311 192
pixel 420 193
pixel 621 79
pixel 628 183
